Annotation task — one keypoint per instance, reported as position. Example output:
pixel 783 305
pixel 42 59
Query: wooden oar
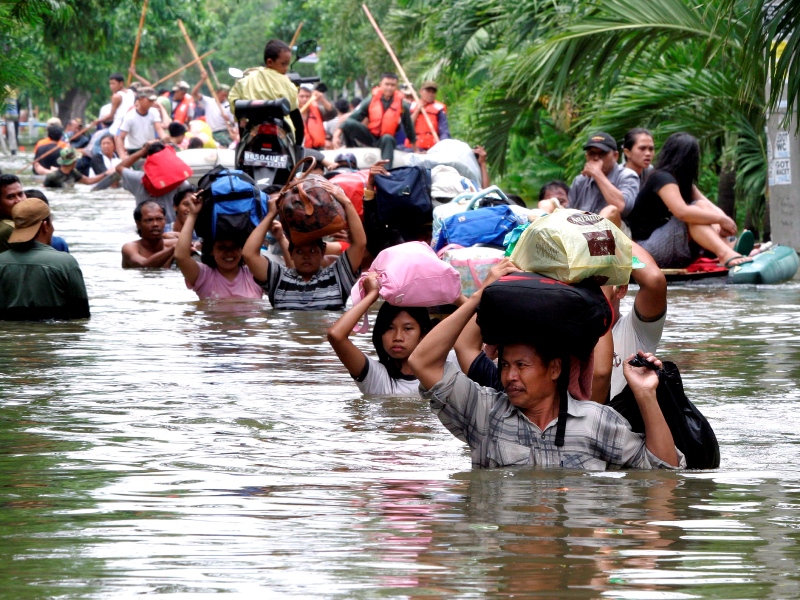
pixel 213 73
pixel 183 68
pixel 136 45
pixel 140 78
pixel 296 35
pixel 204 72
pixel 401 71
pixel 57 147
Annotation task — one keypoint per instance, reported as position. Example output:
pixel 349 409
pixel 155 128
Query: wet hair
pixel 34 193
pixel 7 179
pixel 55 132
pixel 680 157
pixel 181 194
pixel 195 142
pixel 388 75
pixel 555 184
pixel 274 49
pixel 137 212
pixel 383 321
pixel 355 102
pixel 154 148
pixel 342 105
pixel 630 137
pixel 176 129
pixel 116 77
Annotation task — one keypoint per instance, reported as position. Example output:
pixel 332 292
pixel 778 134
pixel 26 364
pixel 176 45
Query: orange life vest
pixel 425 139
pixel 47 140
pixel 315 130
pixel 384 122
pixel 181 112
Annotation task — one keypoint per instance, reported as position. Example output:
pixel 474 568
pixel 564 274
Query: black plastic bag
pixel 690 429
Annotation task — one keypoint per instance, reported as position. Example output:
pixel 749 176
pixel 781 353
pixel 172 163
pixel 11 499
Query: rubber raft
pixel 776 265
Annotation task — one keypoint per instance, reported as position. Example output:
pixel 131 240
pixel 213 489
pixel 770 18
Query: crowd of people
pixel 504 402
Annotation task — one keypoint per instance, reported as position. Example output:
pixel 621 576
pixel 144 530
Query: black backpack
pixel 690 429
pixel 404 197
pixel 232 207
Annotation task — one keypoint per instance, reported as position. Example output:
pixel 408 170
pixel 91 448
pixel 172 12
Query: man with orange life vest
pixel 318 109
pixel 182 103
pixel 385 110
pixel 437 113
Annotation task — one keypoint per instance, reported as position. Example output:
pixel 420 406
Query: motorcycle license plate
pixel 271 161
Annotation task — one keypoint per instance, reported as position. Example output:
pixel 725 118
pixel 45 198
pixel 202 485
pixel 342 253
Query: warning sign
pixel 782 149
pixel 780 172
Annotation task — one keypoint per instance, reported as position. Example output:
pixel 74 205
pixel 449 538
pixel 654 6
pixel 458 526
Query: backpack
pixel 164 172
pixel 232 207
pixel 690 429
pixel 410 274
pixel 404 197
pixel 481 226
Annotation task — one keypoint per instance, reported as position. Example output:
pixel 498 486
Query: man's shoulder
pixel 579 182
pixel 625 173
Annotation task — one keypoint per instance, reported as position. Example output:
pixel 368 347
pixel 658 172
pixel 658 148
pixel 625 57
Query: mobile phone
pixel 638 361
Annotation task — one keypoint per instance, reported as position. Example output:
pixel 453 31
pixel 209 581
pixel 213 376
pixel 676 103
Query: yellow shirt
pixel 263 84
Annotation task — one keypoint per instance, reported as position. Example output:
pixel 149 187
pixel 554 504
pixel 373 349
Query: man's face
pixel 526 379
pixel 427 95
pixel 115 86
pixel 388 86
pixel 303 96
pixel 9 196
pixel 607 158
pixel 559 194
pixel 307 259
pixel 179 94
pixel 222 95
pixel 281 64
pixel 143 105
pixel 151 227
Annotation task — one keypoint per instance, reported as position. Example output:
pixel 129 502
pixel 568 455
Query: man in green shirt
pixel 38 282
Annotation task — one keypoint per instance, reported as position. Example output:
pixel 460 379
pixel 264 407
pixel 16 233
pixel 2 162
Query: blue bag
pixel 480 226
pixel 232 207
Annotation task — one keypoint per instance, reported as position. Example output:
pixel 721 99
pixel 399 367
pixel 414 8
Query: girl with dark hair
pixel 670 212
pixel 396 333
pixel 638 148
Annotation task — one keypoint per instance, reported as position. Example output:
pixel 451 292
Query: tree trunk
pixel 726 192
pixel 73 105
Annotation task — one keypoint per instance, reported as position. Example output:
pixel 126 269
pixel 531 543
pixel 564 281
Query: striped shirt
pixel 328 289
pixel 499 434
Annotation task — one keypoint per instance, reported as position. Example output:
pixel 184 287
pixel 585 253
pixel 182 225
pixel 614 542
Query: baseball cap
pixel 147 92
pixel 181 85
pixel 67 156
pixel 28 215
pixel 601 140
pixel 429 85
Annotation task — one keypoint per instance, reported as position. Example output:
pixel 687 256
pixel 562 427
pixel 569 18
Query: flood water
pixel 172 447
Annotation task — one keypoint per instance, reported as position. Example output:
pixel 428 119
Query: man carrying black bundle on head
pixel 539 419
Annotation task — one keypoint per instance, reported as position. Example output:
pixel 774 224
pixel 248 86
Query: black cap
pixel 601 140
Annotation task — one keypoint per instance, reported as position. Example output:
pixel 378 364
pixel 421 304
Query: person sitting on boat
pixel 639 149
pixel 384 111
pixel 227 276
pixel 604 187
pixel 395 335
pixel 107 159
pixel 177 133
pixel 46 146
pixel 132 179
pixel 182 103
pixel 223 125
pixel 519 426
pixel 307 286
pixel 552 195
pixel 271 83
pixel 140 125
pixel 437 113
pixel 67 174
pixel 318 110
pixel 670 212
pixel 151 250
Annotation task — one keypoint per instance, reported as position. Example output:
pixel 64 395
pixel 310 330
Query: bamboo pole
pixel 204 72
pixel 296 35
pixel 136 45
pixel 183 68
pixel 49 152
pixel 140 78
pixel 401 71
pixel 213 73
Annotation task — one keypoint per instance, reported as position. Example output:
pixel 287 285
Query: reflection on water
pixel 172 446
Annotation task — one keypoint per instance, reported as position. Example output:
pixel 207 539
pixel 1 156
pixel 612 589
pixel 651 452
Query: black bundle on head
pixel 387 314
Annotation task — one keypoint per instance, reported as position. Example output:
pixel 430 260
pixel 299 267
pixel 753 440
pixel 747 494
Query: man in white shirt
pixel 122 100
pixel 139 125
pixel 222 124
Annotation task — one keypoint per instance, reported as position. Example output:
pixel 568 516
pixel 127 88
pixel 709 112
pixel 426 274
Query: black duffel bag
pixel 690 429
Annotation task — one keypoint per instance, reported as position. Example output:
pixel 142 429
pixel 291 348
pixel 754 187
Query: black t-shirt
pixel 485 373
pixel 49 161
pixel 649 212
